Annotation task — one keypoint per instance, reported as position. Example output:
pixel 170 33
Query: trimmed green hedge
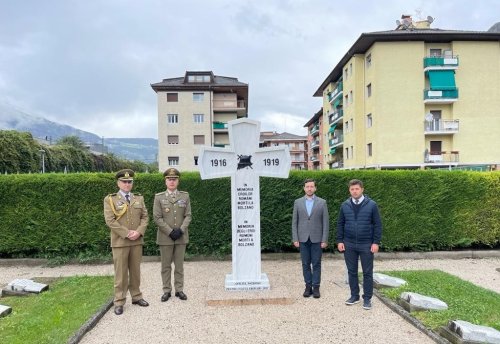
pixel 61 215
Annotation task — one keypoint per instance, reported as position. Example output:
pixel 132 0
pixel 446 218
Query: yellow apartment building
pixel 193 111
pixel 414 97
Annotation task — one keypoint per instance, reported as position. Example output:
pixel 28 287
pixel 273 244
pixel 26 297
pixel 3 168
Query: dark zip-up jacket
pixel 365 228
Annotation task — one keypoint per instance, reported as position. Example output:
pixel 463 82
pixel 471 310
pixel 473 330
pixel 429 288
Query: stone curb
pixel 468 254
pixel 89 325
pixel 408 317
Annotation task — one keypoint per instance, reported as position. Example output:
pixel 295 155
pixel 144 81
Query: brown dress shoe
pixel 141 302
pixel 181 295
pixel 165 297
pixel 119 310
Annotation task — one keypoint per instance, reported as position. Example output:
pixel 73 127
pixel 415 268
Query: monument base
pixel 239 285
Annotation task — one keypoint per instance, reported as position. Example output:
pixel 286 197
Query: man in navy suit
pixel 310 226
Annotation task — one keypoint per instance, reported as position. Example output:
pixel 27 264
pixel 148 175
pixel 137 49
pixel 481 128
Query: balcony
pixel 230 105
pixel 315 130
pixel 440 97
pixel 315 144
pixel 440 62
pixel 336 116
pixel 219 126
pixel 338 140
pixel 299 148
pixel 441 157
pixel 221 145
pixel 441 127
pixel 336 93
pixel 337 164
pixel 314 158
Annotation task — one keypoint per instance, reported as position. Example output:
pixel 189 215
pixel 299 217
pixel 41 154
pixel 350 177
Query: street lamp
pixel 43 160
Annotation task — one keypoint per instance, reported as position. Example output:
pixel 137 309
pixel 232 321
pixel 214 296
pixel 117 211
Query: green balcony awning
pixel 336 103
pixel 332 128
pixel 332 151
pixel 442 79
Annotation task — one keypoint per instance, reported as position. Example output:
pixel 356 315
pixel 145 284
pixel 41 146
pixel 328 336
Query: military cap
pixel 126 174
pixel 171 173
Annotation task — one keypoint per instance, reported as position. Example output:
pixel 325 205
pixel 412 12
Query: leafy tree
pixel 73 141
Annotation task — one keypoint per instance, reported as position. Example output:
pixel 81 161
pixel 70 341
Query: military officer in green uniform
pixel 127 218
pixel 172 215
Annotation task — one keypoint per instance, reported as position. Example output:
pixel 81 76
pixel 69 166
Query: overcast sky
pixel 90 63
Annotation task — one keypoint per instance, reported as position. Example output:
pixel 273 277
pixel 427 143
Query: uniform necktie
pixel 127 196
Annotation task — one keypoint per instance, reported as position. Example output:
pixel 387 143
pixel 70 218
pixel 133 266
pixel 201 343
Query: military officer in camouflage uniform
pixel 172 215
pixel 127 218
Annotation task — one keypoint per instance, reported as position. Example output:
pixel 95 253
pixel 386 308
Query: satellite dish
pixel 398 23
pixel 430 19
pixel 429 117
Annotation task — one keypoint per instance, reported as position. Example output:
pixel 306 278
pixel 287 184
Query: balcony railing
pixel 441 126
pixel 441 96
pixel 314 158
pixel 315 129
pixel 335 93
pixel 337 164
pixel 441 157
pixel 297 148
pixel 336 116
pixel 337 140
pixel 442 62
pixel 315 144
pixel 228 104
pixel 219 125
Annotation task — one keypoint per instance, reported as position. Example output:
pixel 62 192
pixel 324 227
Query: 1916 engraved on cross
pixel 245 162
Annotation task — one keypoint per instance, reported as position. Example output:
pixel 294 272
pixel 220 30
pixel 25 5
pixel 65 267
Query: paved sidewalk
pixel 324 320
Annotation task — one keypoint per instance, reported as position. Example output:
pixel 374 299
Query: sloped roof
pixel 282 137
pixel 366 40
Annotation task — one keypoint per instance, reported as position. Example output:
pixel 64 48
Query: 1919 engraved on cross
pixel 245 162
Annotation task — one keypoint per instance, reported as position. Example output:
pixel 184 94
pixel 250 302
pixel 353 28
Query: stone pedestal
pixel 4 311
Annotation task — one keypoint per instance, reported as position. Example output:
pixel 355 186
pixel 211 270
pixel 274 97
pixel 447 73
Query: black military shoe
pixel 308 291
pixel 141 302
pixel 181 295
pixel 119 310
pixel 165 297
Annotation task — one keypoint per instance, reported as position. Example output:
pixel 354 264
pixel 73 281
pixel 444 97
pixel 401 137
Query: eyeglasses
pixel 127 181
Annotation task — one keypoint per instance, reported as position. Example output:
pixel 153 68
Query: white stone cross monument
pixel 245 162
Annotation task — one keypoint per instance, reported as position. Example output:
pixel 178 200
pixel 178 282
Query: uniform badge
pixel 167 210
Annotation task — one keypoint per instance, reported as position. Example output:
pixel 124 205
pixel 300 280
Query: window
pixel 172 97
pixel 352 152
pixel 351 97
pixel 346 102
pixel 173 161
pixel 369 90
pixel 369 149
pixel 199 78
pixel 173 118
pixel 369 120
pixel 435 52
pixel 198 118
pixel 352 124
pixel 345 72
pixel 347 126
pixel 199 139
pixel 347 153
pixel 368 60
pixel 173 139
pixel 198 97
pixel 350 68
pixel 196 161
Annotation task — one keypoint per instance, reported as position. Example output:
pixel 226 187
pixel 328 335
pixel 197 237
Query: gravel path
pixel 324 320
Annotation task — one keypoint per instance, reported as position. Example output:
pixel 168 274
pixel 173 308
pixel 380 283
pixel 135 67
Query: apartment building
pixel 413 97
pixel 297 146
pixel 315 141
pixel 193 111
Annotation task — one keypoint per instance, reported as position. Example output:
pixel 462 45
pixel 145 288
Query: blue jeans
pixel 310 253
pixel 351 255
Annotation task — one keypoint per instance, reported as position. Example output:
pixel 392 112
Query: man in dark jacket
pixel 359 230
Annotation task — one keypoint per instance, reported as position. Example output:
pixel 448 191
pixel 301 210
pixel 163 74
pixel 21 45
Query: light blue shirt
pixel 360 200
pixel 309 204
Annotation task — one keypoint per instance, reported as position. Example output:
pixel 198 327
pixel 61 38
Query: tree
pixel 73 141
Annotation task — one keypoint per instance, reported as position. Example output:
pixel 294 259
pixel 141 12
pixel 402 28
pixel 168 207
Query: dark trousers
pixel 351 255
pixel 310 253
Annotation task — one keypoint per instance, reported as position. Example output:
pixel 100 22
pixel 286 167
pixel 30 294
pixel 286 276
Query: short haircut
pixel 355 182
pixel 309 180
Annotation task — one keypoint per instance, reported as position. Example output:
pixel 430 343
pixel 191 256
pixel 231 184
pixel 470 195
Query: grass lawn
pixel 54 316
pixel 465 300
